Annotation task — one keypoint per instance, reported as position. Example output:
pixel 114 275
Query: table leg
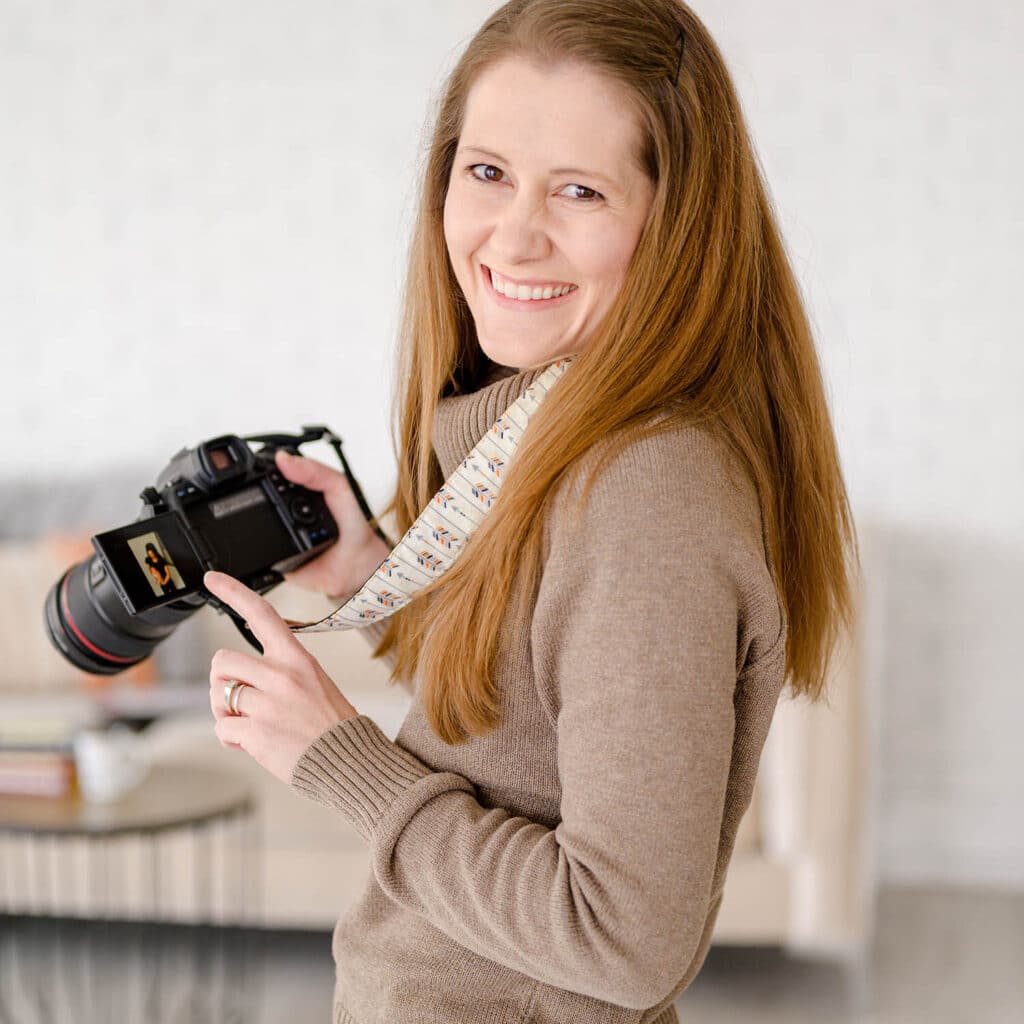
pixel 154 872
pixel 201 854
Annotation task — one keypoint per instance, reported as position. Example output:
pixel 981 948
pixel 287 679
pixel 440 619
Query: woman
pixel 595 675
pixel 159 569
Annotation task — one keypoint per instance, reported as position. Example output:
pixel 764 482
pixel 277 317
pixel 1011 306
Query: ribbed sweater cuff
pixel 354 768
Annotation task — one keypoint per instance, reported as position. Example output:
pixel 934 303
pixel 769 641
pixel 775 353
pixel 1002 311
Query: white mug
pixel 109 762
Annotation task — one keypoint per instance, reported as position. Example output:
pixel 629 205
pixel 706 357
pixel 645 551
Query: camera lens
pixel 89 624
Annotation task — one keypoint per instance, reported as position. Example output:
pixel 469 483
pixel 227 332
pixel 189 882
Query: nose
pixel 520 230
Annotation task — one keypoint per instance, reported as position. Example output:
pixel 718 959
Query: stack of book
pixel 36 744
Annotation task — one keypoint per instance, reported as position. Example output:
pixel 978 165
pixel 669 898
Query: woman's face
pixel 546 193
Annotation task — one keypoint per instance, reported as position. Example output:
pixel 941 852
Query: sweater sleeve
pixel 611 902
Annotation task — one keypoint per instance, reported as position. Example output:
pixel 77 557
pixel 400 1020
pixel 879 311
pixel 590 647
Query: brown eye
pixel 487 172
pixel 587 195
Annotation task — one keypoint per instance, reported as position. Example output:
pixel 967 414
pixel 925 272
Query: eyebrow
pixel 555 170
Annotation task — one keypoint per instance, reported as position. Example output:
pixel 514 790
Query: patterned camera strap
pixel 439 535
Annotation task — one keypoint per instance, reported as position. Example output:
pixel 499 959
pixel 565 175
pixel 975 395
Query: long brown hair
pixel 714 331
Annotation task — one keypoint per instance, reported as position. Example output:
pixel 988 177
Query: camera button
pixel 303 511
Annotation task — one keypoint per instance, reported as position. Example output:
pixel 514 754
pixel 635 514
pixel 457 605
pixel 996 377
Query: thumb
pixel 306 472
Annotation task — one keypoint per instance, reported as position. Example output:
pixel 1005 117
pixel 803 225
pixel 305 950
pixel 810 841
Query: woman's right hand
pixel 348 563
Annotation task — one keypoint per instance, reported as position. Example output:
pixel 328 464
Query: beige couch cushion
pixel 28 569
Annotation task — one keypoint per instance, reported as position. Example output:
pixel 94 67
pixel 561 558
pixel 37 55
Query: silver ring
pixel 232 691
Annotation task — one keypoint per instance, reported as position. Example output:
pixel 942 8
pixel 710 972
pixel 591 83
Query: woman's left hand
pixel 289 701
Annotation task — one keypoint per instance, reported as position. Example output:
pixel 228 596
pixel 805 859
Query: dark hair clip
pixel 681 40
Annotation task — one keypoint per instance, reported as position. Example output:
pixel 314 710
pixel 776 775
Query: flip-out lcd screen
pixel 151 560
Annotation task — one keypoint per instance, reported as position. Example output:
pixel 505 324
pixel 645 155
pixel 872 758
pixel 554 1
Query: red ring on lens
pixel 78 633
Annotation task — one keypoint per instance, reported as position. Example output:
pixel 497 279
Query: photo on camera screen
pixel 151 561
pixel 160 571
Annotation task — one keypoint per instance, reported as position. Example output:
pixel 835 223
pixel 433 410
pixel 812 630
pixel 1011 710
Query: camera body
pixel 216 506
pixel 220 505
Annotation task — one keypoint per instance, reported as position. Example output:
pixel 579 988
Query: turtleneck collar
pixel 461 420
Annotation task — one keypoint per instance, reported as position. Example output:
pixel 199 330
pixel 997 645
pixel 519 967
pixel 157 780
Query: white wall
pixel 209 203
pixel 203 217
pixel 888 133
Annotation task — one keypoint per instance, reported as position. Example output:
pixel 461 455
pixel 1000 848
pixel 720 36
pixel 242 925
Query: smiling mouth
pixel 525 295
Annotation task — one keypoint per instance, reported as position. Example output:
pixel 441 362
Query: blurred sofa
pixel 802 875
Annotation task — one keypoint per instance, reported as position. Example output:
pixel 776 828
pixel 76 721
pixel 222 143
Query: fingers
pixel 221 712
pixel 267 626
pixel 233 731
pixel 307 472
pixel 228 665
pixel 247 702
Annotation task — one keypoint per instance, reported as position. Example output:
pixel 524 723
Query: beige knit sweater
pixel 569 866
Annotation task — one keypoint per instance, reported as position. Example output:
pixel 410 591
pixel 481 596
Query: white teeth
pixel 525 292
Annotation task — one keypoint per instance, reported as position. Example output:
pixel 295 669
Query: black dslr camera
pixel 220 505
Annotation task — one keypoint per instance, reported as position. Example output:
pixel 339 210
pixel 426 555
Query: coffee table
pixel 170 800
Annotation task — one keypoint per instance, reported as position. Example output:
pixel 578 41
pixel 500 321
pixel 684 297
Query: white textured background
pixel 203 220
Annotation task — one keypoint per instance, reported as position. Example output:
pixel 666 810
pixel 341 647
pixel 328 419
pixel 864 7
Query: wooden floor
pixel 941 957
